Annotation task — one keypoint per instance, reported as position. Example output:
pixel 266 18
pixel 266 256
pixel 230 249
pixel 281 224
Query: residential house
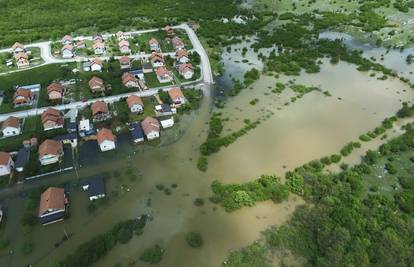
pixel 139 74
pixel 98 38
pixel 169 30
pixel 151 128
pixel 6 163
pixel 106 139
pixel 177 96
pixel 22 60
pixel 70 138
pixel 163 75
pixel 23 156
pixel 129 80
pixel 52 119
pixel 100 111
pixel 125 62
pixel 95 187
pixel 96 64
pixel 154 45
pixel 177 43
pixel 23 97
pixel 99 47
pixel 157 60
pixel 18 47
pixel 67 51
pixel 11 127
pixel 147 68
pixel 135 104
pixel 55 91
pixel 122 36
pixel 164 110
pixel 124 47
pixel 50 151
pixel 96 85
pixel 80 44
pixel 186 70
pixel 137 133
pixel 52 205
pixel 85 128
pixel 168 123
pixel 181 56
pixel 67 39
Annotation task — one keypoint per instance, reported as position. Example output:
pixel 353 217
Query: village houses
pixel 181 56
pixel 177 43
pixel 67 51
pixel 120 36
pixel 17 48
pixel 6 163
pixel 23 97
pixel 125 62
pixel 151 128
pixel 22 60
pixel 11 127
pixel 55 91
pixel 124 47
pixel 99 47
pixel 100 111
pixel 154 45
pixel 52 119
pixel 50 152
pixel 177 96
pixel 186 70
pixel 106 139
pixel 67 39
pixel 135 104
pixel 129 80
pixel 52 205
pixel 96 85
pixel 163 75
pixel 157 60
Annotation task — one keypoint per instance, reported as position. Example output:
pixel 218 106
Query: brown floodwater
pixel 290 135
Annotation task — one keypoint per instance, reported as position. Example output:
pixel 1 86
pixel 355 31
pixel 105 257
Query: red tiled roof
pixel 52 199
pixel 185 67
pixel 10 122
pixel 68 47
pixel 123 43
pixel 124 60
pixel 127 77
pixel 175 93
pixel 96 82
pixel 161 71
pixel 50 147
pixel 96 60
pixel 153 41
pixel 150 124
pixel 58 87
pixel 181 53
pixel 52 114
pixel 4 158
pixel 17 45
pixel 99 107
pixel 105 134
pixel 21 55
pixel 133 100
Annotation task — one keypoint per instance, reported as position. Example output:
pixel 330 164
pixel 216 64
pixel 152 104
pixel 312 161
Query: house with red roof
pixel 67 39
pixel 23 97
pixel 186 70
pixel 177 43
pixel 50 151
pixel 177 96
pixel 18 47
pixel 135 104
pixel 100 111
pixel 55 91
pixel 129 80
pixel 154 45
pixel 151 128
pixel 11 127
pixel 106 140
pixel 67 51
pixel 52 205
pixel 124 47
pixel 125 62
pixel 164 75
pixel 52 119
pixel 6 163
pixel 157 60
pixel 96 85
pixel 22 60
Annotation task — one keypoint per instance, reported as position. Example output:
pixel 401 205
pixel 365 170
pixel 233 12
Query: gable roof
pixel 96 82
pixel 99 106
pixel 67 47
pixel 161 71
pixel 123 43
pixel 4 158
pixel 22 92
pixel 55 86
pixel 17 45
pixel 153 41
pixel 181 53
pixel 50 147
pixel 149 124
pixel 52 199
pixel 127 77
pixel 105 134
pixel 52 114
pixel 177 41
pixel 133 100
pixel 156 57
pixel 98 44
pixel 67 37
pixel 21 55
pixel 185 67
pixel 175 93
pixel 124 60
pixel 96 60
pixel 11 122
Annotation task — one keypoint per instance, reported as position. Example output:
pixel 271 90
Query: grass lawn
pixel 151 80
pixel 149 105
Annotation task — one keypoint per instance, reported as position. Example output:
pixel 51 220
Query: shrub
pixel 152 255
pixel 202 164
pixel 194 240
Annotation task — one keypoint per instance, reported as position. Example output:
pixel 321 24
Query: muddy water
pixel 312 127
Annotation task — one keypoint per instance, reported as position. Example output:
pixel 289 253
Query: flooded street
pixel 291 134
